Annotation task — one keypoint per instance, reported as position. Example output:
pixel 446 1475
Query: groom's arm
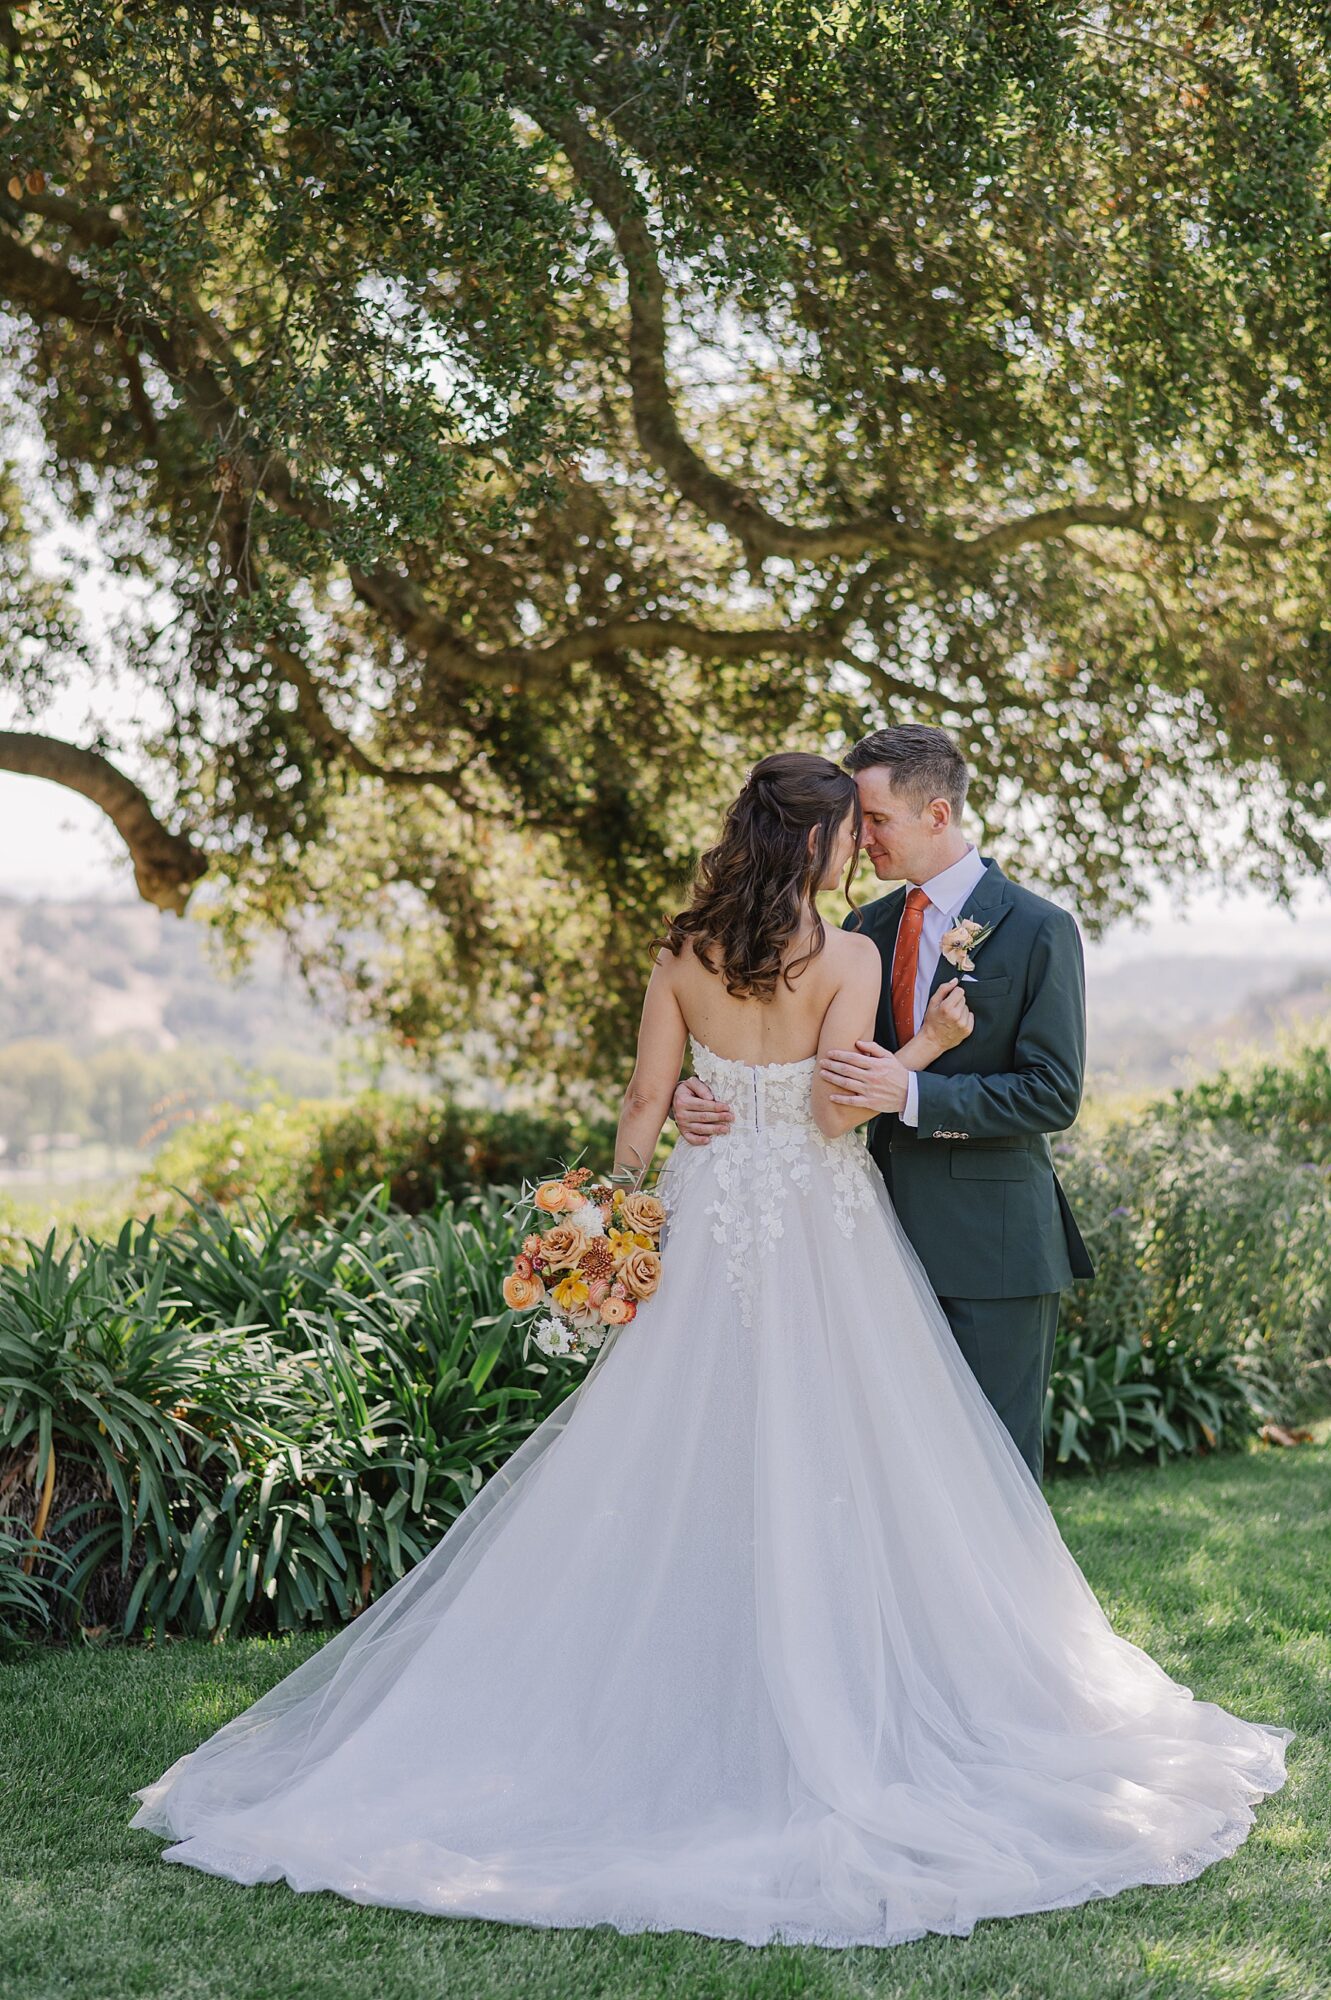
pixel 1042 1091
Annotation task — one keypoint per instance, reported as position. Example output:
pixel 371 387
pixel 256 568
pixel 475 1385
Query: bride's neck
pixel 810 927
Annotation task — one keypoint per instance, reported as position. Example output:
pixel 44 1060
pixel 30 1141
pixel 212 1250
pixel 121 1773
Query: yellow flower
pixel 623 1243
pixel 571 1293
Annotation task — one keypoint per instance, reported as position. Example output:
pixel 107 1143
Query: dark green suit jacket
pixel 974 1183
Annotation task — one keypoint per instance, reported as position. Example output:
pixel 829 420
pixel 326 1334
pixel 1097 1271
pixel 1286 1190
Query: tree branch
pixel 338 742
pixel 166 865
pixel 761 532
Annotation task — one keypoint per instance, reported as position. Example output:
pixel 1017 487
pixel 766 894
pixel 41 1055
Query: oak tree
pixel 508 417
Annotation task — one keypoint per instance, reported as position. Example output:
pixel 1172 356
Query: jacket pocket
pixel 987 989
pixel 990 1163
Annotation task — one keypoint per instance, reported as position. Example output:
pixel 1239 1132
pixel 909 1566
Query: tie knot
pixel 916 903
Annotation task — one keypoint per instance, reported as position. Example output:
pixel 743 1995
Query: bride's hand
pixel 947 1020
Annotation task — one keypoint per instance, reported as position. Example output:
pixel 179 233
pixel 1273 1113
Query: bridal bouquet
pixel 590 1258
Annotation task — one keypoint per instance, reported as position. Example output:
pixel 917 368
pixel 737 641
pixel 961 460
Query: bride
pixel 767 1633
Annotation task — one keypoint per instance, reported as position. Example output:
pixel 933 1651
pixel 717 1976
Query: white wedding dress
pixel 766 1633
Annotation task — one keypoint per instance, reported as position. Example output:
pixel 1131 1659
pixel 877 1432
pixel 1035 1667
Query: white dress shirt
pixel 948 893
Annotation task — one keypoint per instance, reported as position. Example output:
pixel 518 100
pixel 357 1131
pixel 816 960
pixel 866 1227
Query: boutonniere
pixel 963 939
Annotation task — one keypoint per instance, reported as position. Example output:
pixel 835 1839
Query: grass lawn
pixel 1221 1569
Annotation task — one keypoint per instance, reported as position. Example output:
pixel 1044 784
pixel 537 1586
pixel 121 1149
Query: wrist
pixel 925 1048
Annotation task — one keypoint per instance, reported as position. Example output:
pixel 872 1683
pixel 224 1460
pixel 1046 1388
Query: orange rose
pixel 564 1244
pixel 641 1273
pixel 643 1212
pixel 522 1293
pixel 617 1312
pixel 553 1198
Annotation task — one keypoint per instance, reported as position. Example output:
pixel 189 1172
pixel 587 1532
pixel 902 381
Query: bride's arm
pixel 849 1018
pixel 858 1080
pixel 661 1035
pixel 947 1021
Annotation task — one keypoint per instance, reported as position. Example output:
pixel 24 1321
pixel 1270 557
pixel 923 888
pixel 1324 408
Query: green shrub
pixel 252 1426
pixel 312 1158
pixel 1287 1101
pixel 1211 1303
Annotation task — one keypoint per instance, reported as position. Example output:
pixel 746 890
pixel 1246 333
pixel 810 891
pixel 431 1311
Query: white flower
pixel 567 1338
pixel 554 1335
pixel 588 1219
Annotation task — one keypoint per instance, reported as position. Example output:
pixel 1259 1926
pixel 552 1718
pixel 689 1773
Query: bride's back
pixel 781 1029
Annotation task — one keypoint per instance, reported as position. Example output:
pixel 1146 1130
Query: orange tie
pixel 905 965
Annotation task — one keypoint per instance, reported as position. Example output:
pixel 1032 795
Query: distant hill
pixel 87 972
pixel 1161 1020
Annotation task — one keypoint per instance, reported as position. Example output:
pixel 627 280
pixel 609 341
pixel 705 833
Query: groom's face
pixel 900 838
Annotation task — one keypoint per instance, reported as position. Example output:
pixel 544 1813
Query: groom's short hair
pixel 925 763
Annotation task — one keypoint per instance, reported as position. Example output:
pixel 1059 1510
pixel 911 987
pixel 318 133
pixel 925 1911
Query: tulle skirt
pixel 767 1633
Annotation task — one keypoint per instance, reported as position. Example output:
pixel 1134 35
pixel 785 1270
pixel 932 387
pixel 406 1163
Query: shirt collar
pixel 948 890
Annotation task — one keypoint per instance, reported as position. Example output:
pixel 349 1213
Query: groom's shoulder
pixel 869 918
pixel 1039 913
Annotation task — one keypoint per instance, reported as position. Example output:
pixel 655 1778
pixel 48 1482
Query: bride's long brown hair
pixel 754 889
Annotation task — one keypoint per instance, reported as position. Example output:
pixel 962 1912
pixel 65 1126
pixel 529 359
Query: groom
pixel 964 1145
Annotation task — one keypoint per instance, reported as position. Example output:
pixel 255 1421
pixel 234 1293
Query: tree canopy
pixel 509 417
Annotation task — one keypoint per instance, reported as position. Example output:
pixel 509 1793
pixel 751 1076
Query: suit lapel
pixel 989 902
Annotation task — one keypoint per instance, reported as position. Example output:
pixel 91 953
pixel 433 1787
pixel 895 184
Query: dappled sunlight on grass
pixel 1256 1973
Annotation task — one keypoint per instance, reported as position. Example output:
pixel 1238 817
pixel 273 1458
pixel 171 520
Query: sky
pixel 54 843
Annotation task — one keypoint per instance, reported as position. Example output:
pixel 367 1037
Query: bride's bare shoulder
pixel 849 951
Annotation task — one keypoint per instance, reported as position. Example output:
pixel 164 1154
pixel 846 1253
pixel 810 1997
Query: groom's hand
pixel 698 1115
pixel 867 1076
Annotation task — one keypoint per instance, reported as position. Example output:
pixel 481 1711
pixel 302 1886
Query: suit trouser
pixel 1009 1347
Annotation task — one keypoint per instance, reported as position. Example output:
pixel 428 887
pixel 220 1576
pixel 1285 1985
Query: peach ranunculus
pixel 562 1246
pixel 571 1293
pixel 554 1198
pixel 623 1243
pixel 641 1273
pixel 617 1312
pixel 643 1212
pixel 522 1293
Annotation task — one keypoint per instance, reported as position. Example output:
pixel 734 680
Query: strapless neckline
pixel 734 1062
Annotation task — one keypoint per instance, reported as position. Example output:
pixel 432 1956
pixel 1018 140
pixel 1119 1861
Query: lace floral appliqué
pixel 773 1146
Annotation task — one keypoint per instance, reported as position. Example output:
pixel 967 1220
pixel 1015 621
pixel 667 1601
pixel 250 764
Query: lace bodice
pixel 760 1094
pixel 773 1149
